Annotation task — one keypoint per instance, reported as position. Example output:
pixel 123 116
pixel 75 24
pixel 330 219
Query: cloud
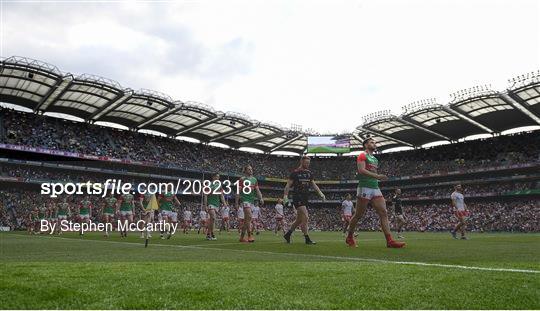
pixel 322 64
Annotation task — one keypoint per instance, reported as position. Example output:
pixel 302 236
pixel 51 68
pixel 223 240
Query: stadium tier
pixel 500 173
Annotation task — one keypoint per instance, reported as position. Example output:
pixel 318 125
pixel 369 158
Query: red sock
pixel 388 237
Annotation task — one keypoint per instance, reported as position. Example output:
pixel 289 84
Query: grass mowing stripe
pixel 373 260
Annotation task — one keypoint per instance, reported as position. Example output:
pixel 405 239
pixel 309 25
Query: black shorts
pixel 297 202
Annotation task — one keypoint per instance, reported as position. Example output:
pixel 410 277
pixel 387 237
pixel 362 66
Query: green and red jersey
pixel 371 165
pixel 250 195
pixel 213 198
pixel 127 202
pixel 166 201
pixel 84 208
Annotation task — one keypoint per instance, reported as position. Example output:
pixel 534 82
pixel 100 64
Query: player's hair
pixel 366 141
pixel 245 167
pixel 302 158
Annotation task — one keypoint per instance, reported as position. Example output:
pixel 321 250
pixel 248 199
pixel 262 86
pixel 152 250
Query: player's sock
pixel 287 236
pixel 388 238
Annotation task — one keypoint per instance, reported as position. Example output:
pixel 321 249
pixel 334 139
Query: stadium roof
pixel 44 88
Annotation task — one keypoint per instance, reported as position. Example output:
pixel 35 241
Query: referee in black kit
pixel 395 200
pixel 300 180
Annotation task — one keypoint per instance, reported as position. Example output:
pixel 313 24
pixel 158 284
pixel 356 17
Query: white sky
pixel 321 64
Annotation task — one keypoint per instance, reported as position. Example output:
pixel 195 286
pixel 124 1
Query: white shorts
pixel 167 213
pixel 84 216
pixel 174 216
pixel 60 217
pixel 368 193
pixel 247 205
pixel 210 206
pixel 126 213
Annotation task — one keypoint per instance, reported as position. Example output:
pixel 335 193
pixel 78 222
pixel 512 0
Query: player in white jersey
pixel 203 219
pixel 255 218
pixel 346 212
pixel 240 217
pixel 187 217
pixel 460 210
pixel 225 214
pixel 280 216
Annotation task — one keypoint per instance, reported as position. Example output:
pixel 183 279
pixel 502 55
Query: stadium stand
pixel 500 174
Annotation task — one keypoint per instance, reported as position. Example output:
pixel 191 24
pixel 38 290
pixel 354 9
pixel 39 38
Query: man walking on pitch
pixel 300 180
pixel 460 210
pixel 368 191
pixel 246 197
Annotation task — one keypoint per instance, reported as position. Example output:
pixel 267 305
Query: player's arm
pixel 319 192
pixel 361 166
pixel 175 199
pixel 222 198
pixel 286 191
pixel 236 200
pixel 259 194
pixel 205 201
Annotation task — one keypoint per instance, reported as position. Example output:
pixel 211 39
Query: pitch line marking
pixel 344 258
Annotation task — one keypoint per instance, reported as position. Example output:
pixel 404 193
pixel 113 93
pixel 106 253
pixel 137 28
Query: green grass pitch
pixel 489 271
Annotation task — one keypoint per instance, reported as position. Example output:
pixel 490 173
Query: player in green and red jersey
pixel 166 202
pixel 368 191
pixel 212 202
pixel 249 188
pixel 63 212
pixel 85 210
pixel 127 209
pixel 110 208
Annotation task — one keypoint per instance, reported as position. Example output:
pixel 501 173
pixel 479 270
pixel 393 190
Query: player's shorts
pixel 297 202
pixel 210 206
pixel 84 216
pixel 247 205
pixel 346 218
pixel 126 213
pixel 462 214
pixel 400 217
pixel 368 193
pixel 108 214
pixel 167 213
pixel 187 221
pixel 174 216
pixel 53 219
pixel 60 217
pixel 279 218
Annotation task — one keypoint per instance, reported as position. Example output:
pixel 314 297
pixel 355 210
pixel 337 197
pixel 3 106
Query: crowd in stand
pixel 64 135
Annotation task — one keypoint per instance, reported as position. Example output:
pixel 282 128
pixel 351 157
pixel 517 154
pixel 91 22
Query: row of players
pixel 300 182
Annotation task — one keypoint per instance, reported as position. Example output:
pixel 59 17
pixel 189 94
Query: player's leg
pixel 246 224
pixel 300 221
pixel 361 206
pixel 379 204
pixel 211 222
pixel 457 227
pixel 305 224
pixel 463 227
pixel 400 224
